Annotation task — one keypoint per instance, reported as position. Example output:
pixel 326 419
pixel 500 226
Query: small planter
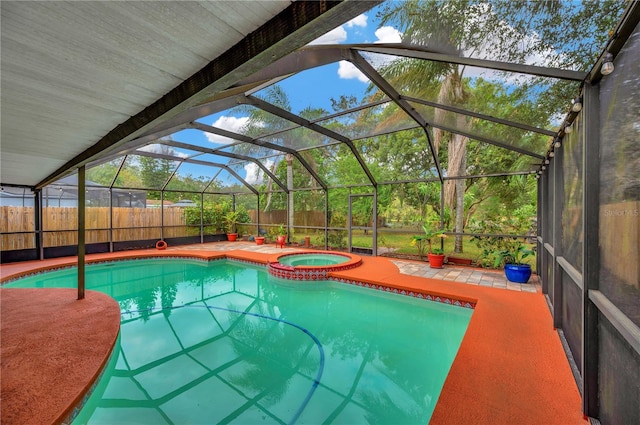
pixel 231 237
pixel 161 245
pixel 518 273
pixel 280 240
pixel 435 260
pixel 259 240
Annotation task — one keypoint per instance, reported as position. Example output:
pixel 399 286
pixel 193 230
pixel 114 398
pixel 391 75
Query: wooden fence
pixel 60 225
pixel 620 240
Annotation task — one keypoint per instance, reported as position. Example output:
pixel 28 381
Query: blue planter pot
pixel 517 273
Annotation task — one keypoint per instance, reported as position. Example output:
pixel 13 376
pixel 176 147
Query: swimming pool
pixel 225 342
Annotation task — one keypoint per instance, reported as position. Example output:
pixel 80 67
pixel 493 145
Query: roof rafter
pixel 300 23
pixel 199 162
pixel 373 75
pixel 480 116
pixel 314 127
pixel 181 145
pixel 417 52
pixel 258 142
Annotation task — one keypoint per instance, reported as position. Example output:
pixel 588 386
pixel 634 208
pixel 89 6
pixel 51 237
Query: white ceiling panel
pixel 72 71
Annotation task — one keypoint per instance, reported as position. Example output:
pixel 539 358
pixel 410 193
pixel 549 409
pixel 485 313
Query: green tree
pixel 505 30
pixel 155 172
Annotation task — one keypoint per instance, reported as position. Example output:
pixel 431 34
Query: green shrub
pixel 213 215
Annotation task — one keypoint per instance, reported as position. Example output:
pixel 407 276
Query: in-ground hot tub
pixel 311 265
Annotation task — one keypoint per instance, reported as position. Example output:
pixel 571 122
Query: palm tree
pixel 503 30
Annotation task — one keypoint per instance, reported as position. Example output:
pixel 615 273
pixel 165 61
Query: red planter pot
pixel 259 240
pixel 231 237
pixel 280 240
pixel 435 260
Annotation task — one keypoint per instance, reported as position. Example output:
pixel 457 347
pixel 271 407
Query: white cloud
pixel 254 173
pixel 388 35
pixel 348 71
pixel 227 123
pixel 358 21
pixel 335 36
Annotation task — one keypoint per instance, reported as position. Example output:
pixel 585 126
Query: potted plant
pixel 435 255
pixel 514 268
pixel 282 236
pixel 230 222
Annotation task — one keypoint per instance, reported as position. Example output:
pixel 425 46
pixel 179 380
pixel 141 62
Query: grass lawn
pixel 400 243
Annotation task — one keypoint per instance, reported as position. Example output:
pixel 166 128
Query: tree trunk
pixel 452 91
pixel 460 189
pixel 270 186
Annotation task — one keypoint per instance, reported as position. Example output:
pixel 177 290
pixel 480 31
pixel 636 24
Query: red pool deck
pixel 510 368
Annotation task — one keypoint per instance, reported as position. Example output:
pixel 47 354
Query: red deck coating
pixel 510 369
pixel 53 348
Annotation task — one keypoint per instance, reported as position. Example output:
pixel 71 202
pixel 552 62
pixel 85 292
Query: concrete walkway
pixel 468 275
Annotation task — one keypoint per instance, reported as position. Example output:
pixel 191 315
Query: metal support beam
pixel 260 165
pixel 488 140
pixel 81 231
pixel 261 143
pixel 265 106
pixel 201 217
pixel 162 215
pixel 326 219
pixel 461 111
pixel 37 210
pixel 591 248
pixel 543 225
pixel 391 92
pixel 300 23
pixel 557 171
pixel 258 216
pixel 539 241
pixel 417 52
pixel 483 176
pixel 375 222
pixel 195 161
pixel 111 219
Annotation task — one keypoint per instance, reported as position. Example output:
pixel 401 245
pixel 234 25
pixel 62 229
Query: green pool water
pixel 224 342
pixel 312 259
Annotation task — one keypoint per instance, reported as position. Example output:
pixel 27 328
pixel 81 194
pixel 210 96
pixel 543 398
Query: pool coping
pixel 308 273
pixel 31 366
